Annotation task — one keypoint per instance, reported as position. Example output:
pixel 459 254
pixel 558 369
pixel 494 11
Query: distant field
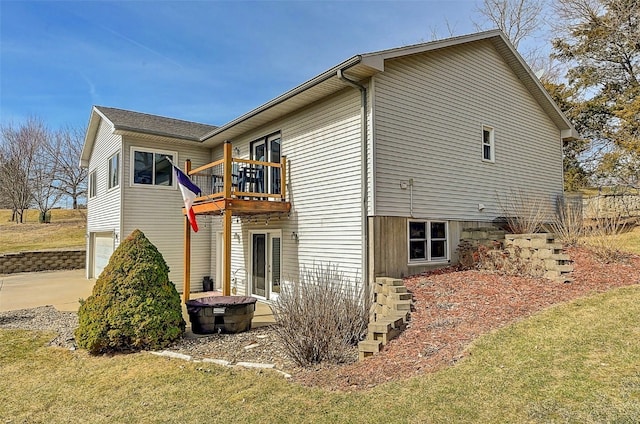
pixel 66 230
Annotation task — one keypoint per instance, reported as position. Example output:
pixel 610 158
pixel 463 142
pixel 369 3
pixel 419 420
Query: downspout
pixel 364 184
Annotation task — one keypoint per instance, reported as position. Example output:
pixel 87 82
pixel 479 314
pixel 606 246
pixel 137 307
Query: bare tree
pixel 45 171
pixel 72 179
pixel 518 19
pixel 17 151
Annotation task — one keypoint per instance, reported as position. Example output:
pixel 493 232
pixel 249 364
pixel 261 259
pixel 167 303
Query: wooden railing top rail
pixel 207 166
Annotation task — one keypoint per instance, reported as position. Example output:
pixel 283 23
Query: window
pixel 114 171
pixel 487 144
pixel 151 167
pixel 428 241
pixel 92 184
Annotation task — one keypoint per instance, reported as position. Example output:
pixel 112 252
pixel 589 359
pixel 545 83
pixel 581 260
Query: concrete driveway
pixel 62 289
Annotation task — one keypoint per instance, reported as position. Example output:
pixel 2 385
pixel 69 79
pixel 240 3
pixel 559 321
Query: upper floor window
pixel 114 171
pixel 93 185
pixel 428 241
pixel 488 148
pixel 152 167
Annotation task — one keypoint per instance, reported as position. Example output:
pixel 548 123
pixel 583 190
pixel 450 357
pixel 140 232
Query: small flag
pixel 189 192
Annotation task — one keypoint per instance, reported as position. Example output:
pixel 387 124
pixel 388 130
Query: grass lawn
pixel 630 241
pixel 578 362
pixel 66 230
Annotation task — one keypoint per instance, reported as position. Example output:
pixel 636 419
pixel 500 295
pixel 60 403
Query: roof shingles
pixel 127 120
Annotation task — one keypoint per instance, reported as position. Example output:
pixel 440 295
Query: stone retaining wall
pixel 543 253
pixel 483 236
pixel 47 260
pixel 625 205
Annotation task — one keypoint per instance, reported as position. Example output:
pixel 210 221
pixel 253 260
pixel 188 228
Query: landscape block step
pixel 398 322
pixel 398 296
pixel 384 337
pixel 398 305
pixel 380 327
pixel 561 268
pixel 367 348
pixel 396 289
pixel 389 281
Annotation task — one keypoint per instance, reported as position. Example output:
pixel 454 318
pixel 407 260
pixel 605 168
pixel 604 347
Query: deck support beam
pixel 226 260
pixel 226 224
pixel 186 287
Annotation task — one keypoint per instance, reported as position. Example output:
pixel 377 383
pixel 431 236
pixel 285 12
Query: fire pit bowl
pixel 216 314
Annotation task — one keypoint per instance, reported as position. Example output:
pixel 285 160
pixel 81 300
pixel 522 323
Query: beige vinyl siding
pixel 157 212
pixel 322 145
pixel 430 109
pixel 103 210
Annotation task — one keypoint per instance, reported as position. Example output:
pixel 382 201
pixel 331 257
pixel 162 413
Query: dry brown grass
pixel 66 230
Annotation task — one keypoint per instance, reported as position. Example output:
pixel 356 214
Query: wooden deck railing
pixel 240 178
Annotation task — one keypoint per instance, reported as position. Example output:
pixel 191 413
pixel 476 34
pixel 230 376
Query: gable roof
pixel 127 122
pixel 363 66
pixel 359 68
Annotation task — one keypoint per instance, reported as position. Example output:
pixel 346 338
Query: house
pixel 375 166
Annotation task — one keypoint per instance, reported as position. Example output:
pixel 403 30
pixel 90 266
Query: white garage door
pixel 102 250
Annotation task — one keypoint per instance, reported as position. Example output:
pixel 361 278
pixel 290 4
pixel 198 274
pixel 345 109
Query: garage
pixel 102 250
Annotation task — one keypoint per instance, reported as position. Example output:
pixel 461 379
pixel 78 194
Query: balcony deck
pixel 233 186
pixel 245 187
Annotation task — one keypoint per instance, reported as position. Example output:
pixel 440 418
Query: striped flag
pixel 189 192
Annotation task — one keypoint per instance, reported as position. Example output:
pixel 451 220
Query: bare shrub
pixel 321 316
pixel 602 237
pixel 567 224
pixel 525 213
pixel 510 261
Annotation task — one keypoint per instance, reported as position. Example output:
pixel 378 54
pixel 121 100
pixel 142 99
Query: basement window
pixel 428 241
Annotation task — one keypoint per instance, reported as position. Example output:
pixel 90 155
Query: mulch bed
pixel 452 308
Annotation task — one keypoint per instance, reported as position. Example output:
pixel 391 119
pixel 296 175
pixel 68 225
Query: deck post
pixel 186 287
pixel 226 224
pixel 226 260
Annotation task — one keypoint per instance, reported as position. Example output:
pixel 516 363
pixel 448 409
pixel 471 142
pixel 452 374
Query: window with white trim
pixel 428 241
pixel 488 145
pixel 114 171
pixel 93 185
pixel 151 167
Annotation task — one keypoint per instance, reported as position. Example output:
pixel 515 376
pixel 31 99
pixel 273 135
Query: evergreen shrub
pixel 133 306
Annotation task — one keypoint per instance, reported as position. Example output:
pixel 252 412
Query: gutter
pixel 364 183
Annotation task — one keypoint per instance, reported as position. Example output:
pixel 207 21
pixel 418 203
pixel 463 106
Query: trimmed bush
pixel 133 306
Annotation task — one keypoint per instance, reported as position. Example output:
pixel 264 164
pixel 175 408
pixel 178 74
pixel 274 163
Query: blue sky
pixel 207 61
